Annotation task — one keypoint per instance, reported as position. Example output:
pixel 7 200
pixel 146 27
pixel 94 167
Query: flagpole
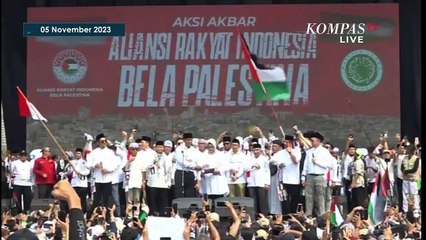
pixel 268 97
pixel 3 134
pixel 45 127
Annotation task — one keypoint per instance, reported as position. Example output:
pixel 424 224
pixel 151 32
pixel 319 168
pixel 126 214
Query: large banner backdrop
pixel 175 58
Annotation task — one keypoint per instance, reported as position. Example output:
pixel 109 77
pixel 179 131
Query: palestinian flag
pixel 419 184
pixel 377 205
pixel 336 216
pixel 267 84
pixel 70 66
pixel 385 184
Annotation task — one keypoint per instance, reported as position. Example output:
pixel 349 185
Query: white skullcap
pixel 168 143
pixel 36 153
pixel 362 151
pixel 335 149
pixel 133 145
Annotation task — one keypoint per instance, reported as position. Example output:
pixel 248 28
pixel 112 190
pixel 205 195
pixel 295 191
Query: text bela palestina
pixel 202 85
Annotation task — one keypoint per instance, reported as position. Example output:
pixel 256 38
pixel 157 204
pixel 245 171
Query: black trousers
pixel 293 197
pixel 122 197
pixel 103 195
pixel 5 191
pixel 45 190
pixel 157 200
pixel 260 197
pixel 348 194
pixel 370 188
pixel 359 196
pixel 82 194
pixel 399 190
pixel 188 188
pixel 25 193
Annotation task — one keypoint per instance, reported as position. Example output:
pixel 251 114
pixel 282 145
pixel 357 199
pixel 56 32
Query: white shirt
pixel 80 165
pixel 105 156
pixel 372 169
pixel 22 172
pixel 123 158
pixel 171 156
pixel 258 177
pixel 398 166
pixel 139 165
pixel 290 172
pixel 200 160
pixel 322 163
pixel 210 183
pixel 332 171
pixel 185 158
pixel 116 170
pixel 337 173
pixel 159 172
pixel 347 161
pixel 236 162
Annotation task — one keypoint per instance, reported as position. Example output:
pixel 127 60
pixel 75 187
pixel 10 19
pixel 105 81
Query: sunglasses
pixel 103 141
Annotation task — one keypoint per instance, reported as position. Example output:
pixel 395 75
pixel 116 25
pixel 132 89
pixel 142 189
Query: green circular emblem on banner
pixel 361 70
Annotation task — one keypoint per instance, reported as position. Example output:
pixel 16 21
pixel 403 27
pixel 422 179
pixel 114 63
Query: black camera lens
pixel 201 214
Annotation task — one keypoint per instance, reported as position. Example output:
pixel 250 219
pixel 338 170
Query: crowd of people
pixel 302 186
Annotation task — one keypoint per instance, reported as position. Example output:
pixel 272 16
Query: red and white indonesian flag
pixel 26 108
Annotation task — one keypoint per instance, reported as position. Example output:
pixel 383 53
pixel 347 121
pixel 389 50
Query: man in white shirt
pixel 132 170
pixel 21 170
pixel 372 168
pixel 138 172
pixel 159 174
pixel 259 179
pixel 290 174
pixel 78 175
pixel 336 181
pixel 115 175
pixel 276 190
pixel 185 158
pixel 318 160
pixel 236 175
pixel 99 161
pixel 348 162
pixel 168 154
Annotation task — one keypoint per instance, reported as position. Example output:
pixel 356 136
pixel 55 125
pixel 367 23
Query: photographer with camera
pixel 202 227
